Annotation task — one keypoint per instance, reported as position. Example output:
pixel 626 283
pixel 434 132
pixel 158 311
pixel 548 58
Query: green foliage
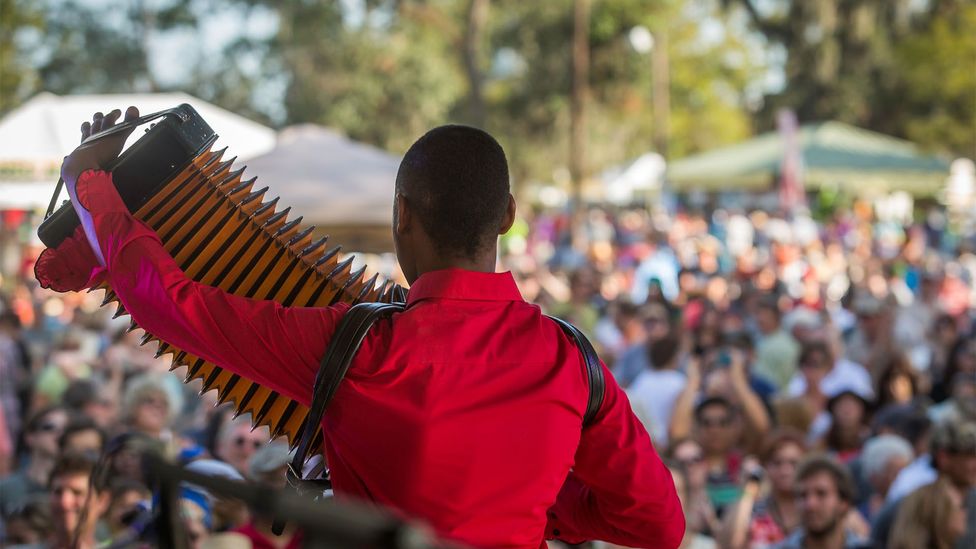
pixel 18 80
pixel 897 66
pixel 384 71
pixel 937 83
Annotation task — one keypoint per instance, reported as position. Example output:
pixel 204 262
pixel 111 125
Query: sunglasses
pixel 716 422
pixel 240 442
pixel 49 428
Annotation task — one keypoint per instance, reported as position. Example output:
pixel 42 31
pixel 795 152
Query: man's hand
pixel 97 154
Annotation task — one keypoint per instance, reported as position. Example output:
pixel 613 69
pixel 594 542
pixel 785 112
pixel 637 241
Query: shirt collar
pixel 462 284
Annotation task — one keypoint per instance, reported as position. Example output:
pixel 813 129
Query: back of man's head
pixel 455 178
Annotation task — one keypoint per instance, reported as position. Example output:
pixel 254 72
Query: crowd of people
pixel 808 383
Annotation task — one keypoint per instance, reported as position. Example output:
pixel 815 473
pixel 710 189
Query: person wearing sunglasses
pixel 237 442
pixel 41 435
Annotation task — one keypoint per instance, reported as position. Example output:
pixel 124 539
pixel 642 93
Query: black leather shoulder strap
pixel 342 349
pixel 594 371
pixel 349 336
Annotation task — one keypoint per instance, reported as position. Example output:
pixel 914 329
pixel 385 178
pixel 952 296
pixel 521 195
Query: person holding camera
pixel 765 515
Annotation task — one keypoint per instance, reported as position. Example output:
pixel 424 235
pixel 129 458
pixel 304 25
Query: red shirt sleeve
pixel 619 490
pixel 278 347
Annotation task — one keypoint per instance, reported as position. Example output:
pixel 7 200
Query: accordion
pixel 224 232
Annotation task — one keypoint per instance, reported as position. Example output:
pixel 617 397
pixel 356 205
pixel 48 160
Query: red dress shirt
pixel 465 410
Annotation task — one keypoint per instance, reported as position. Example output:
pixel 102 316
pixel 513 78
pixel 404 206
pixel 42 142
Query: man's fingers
pixel 85 130
pixel 110 119
pixel 131 113
pixel 97 119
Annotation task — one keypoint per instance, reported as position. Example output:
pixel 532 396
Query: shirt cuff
pixel 97 194
pixel 69 267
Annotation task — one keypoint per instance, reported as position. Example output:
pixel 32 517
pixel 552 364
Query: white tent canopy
pixel 327 178
pixel 644 173
pixel 36 136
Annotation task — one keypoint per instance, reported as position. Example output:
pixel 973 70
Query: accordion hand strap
pixel 120 127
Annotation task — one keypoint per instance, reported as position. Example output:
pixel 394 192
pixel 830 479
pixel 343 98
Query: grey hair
pixel 880 450
pixel 145 384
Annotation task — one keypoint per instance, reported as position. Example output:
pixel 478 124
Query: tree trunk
pixel 476 19
pixel 580 92
pixel 660 68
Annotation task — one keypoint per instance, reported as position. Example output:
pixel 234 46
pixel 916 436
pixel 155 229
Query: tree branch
pixel 773 30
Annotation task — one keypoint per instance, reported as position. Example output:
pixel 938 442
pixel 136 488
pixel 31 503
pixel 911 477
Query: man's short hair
pixel 955 437
pixel 714 401
pixel 661 352
pixel 824 464
pixel 71 464
pixel 79 394
pixel 456 180
pixel 80 424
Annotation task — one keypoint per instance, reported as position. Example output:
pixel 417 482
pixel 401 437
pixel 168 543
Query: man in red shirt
pixel 465 410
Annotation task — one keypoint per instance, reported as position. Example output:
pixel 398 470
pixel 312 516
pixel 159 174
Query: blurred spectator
pixel 77 502
pixel 934 516
pixel 197 514
pixel 657 323
pixel 755 522
pixel 961 404
pixel 884 456
pixel 41 435
pixel 700 515
pixel 14 377
pixel 952 460
pixel 93 399
pixel 213 512
pixel 149 406
pixel 717 430
pixel 82 436
pixel 267 467
pixel 870 341
pixel 693 539
pixel 237 441
pixel 776 350
pixel 848 410
pixel 961 360
pixel 825 496
pixel 898 383
pixel 656 389
pixel 66 364
pixel 807 412
pixel 129 497
pixel 30 525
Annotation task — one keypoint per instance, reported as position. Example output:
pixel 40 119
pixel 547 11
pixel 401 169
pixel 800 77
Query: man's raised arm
pixel 278 347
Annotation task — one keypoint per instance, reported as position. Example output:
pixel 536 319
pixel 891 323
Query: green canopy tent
pixel 833 154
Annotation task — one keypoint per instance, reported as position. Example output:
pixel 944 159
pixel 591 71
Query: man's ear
pixel 402 218
pixel 102 501
pixel 509 218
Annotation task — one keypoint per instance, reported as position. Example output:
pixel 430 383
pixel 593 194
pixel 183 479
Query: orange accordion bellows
pixel 222 232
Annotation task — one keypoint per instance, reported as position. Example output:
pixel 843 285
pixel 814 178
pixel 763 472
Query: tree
pixel 18 80
pixel 933 99
pixel 859 60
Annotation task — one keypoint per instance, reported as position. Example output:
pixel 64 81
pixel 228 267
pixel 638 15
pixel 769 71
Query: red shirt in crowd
pixel 465 410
